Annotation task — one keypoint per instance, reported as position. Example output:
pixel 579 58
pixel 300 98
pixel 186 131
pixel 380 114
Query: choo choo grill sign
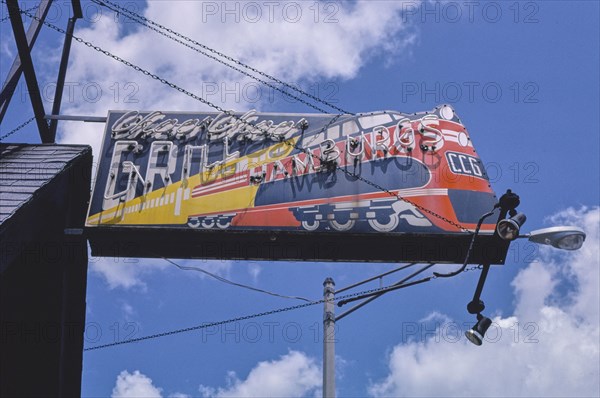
pixel 207 178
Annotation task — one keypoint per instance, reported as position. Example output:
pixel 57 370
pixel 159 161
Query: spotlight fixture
pixel 509 229
pixel 475 335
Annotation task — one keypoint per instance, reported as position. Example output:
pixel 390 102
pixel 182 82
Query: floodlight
pixel 509 229
pixel 475 335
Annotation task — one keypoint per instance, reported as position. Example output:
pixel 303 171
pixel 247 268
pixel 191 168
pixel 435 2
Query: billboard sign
pixel 216 176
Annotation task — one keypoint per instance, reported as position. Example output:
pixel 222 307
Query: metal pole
pixel 91 119
pixel 62 74
pixel 476 305
pixel 28 70
pixel 329 339
pixel 14 74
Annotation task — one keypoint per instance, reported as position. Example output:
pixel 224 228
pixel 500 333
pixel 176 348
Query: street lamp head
pixel 509 229
pixel 476 334
pixel 566 238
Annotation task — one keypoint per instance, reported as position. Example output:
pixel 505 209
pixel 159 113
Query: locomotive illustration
pixel 378 172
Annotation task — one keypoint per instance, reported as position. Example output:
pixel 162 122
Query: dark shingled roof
pixel 25 168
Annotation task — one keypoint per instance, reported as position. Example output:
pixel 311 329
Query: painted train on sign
pixel 379 172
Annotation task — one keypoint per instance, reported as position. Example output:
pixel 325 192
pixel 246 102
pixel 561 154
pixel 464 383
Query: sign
pixel 215 177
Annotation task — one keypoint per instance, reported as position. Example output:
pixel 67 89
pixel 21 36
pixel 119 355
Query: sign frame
pixel 324 238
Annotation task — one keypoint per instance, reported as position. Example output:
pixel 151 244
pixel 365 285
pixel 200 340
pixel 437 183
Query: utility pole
pixel 329 339
pixel 329 317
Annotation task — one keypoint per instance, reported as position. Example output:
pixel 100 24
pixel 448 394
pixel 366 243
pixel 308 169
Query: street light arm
pixel 464 266
pixel 476 305
pixel 378 292
pixel 375 277
pixel 382 291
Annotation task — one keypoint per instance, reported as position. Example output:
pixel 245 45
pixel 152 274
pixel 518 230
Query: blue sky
pixel 523 77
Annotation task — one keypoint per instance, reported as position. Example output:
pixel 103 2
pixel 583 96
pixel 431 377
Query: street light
pixel 565 238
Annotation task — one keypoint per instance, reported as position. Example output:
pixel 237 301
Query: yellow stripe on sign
pixel 161 207
pixel 222 202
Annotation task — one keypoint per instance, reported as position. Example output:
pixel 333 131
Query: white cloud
pixel 437 317
pixel 179 395
pixel 549 347
pixel 125 273
pixel 292 375
pixel 129 273
pixel 6 49
pixel 128 311
pixel 135 384
pixel 254 269
pixel 586 298
pixel 334 43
